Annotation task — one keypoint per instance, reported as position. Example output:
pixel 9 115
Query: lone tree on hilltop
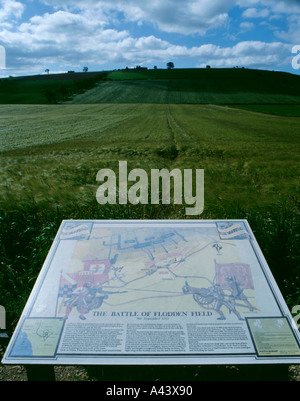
pixel 85 69
pixel 170 65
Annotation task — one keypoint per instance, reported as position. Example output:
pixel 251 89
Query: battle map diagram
pixel 166 269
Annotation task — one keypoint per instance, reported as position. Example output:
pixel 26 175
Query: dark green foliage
pixel 168 152
pixel 45 89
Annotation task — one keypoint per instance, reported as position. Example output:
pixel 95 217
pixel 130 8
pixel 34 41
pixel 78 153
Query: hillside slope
pixel 178 86
pixel 195 86
pixel 45 89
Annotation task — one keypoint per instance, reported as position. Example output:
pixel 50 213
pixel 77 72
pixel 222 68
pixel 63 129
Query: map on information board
pixel 155 292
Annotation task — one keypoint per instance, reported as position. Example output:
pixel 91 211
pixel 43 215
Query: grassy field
pixel 50 155
pixel 234 146
pixel 288 110
pixel 173 92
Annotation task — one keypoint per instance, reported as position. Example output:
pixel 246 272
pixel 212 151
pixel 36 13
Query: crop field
pixel 246 155
pixel 176 92
pixel 50 156
pixel 288 110
pixel 261 91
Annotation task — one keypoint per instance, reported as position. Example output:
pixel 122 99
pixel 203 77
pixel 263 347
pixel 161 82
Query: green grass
pixel 178 92
pixel 277 109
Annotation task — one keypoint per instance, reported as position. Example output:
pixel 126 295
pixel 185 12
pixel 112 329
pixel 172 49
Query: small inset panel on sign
pixel 38 337
pixel 273 337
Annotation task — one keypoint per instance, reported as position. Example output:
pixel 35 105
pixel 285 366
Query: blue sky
pixel 109 34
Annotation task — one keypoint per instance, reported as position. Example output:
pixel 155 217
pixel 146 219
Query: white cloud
pixel 277 12
pixel 61 38
pixel 252 54
pixel 247 26
pixel 178 16
pixel 275 6
pixel 283 6
pixel 255 13
pixel 293 33
pixel 10 10
pixel 185 17
pixel 61 29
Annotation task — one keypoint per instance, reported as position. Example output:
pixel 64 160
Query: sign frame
pixel 217 331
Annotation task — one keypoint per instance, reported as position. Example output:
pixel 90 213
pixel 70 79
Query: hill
pixel 196 86
pixel 257 90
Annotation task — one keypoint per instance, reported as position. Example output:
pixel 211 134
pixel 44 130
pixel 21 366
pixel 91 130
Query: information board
pixel 155 292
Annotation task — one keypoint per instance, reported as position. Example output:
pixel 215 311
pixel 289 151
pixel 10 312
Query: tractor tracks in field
pixel 178 134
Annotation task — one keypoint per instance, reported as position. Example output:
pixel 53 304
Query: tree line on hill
pixel 65 90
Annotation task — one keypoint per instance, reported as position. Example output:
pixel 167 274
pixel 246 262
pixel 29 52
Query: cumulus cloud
pixel 196 17
pixel 255 13
pixel 273 12
pixel 293 33
pixel 281 6
pixel 252 54
pixel 247 26
pixel 10 10
pixel 185 17
pixel 63 38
